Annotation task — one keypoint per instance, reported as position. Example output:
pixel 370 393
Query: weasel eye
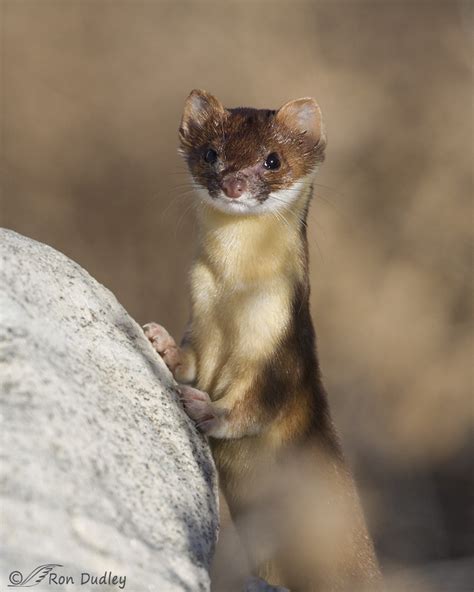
pixel 272 162
pixel 210 156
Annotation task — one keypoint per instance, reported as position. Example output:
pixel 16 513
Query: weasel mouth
pixel 246 204
pixel 234 204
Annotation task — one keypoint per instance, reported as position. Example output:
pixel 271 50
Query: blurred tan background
pixel 91 95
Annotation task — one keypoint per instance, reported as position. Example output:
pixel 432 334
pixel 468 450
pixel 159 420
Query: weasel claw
pixel 199 408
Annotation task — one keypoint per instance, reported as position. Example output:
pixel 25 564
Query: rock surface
pixel 101 470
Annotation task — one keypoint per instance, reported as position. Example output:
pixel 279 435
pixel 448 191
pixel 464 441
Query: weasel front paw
pixel 201 410
pixel 164 344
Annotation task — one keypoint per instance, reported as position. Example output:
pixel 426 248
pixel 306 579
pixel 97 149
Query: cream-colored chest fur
pixel 242 286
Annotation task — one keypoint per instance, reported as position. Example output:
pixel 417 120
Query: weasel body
pixel 249 351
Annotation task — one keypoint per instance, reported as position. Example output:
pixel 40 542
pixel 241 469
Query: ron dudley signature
pixel 47 575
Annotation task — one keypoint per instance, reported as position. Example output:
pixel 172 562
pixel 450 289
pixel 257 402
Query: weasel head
pixel 250 161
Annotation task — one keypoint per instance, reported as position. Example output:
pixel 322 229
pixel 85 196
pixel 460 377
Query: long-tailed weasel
pixel 249 351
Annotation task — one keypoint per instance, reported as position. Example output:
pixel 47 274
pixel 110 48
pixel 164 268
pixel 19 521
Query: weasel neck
pixel 244 250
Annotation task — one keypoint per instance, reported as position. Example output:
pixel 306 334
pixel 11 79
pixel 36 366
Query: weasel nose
pixel 234 187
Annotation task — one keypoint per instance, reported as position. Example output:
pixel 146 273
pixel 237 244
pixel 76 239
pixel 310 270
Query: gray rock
pixel 101 471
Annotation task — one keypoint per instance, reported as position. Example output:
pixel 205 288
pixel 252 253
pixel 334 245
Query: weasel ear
pixel 199 108
pixel 303 116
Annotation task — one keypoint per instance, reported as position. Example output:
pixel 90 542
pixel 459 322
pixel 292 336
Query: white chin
pixel 234 206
